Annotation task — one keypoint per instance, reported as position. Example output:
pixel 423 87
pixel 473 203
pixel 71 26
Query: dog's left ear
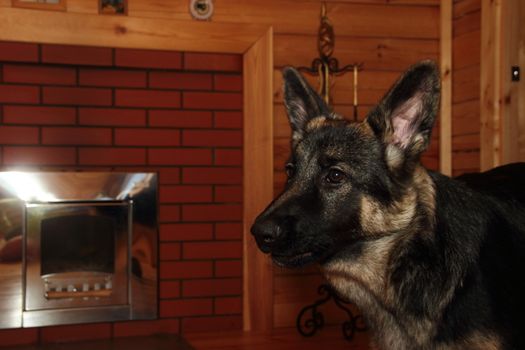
pixel 405 117
pixel 302 102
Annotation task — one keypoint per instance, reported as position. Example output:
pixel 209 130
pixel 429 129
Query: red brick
pixel 169 251
pixel 19 336
pixel 61 334
pixel 228 268
pixel 212 100
pixel 224 82
pixel 146 328
pixel 228 120
pixel 186 232
pixel 212 250
pixel 180 119
pixel 147 137
pixel 112 77
pixel 206 61
pixel 219 176
pixel 77 96
pixel 111 156
pixel 39 74
pixel 186 269
pixel 83 55
pixel 39 155
pixel 169 176
pixel 169 289
pixel 169 213
pixel 19 94
pixel 180 156
pixel 212 287
pixel 148 98
pixel 225 194
pixel 20 52
pixel 228 157
pixel 185 307
pixel 211 212
pixel 148 58
pixel 112 116
pixel 212 138
pixel 39 115
pixel 228 230
pixel 181 81
pixel 18 135
pixel 228 305
pixel 211 324
pixel 76 136
pixel 185 194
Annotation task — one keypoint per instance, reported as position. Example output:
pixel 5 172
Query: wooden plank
pixel 465 142
pixel 378 53
pixel 82 6
pixel 521 88
pixel 465 116
pixel 464 7
pixel 471 22
pixel 490 84
pixel 466 160
pixel 302 17
pixel 466 50
pixel 466 84
pixel 258 180
pixel 122 31
pixel 445 125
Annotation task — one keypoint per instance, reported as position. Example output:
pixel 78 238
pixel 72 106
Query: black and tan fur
pixel 432 262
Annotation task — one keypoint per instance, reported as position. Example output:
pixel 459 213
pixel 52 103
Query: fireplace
pixel 82 247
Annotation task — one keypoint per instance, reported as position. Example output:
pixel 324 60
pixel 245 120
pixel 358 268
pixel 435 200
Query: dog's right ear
pixel 302 102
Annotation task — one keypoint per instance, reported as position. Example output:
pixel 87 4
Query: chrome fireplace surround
pixel 77 247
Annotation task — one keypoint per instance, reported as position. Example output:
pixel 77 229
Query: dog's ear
pixel 404 118
pixel 301 101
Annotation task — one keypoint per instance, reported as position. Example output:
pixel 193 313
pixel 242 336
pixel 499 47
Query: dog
pixel 432 262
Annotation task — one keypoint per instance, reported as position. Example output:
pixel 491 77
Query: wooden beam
pixel 126 32
pixel 512 119
pixel 258 180
pixel 445 125
pixel 490 84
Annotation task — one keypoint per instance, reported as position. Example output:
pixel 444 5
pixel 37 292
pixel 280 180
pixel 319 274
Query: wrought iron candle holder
pixel 326 66
pixel 310 319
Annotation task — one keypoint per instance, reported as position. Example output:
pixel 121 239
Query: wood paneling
pixel 466 86
pixel 490 84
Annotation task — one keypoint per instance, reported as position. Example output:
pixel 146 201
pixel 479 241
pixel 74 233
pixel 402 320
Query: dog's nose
pixel 266 234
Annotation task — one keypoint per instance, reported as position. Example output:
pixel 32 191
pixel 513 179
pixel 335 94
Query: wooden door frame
pixel 253 41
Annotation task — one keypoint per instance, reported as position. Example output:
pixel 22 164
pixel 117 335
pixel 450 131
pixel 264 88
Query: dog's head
pixel 348 182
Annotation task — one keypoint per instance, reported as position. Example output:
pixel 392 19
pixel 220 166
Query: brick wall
pixel 178 114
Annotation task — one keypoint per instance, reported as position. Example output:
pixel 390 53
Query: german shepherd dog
pixel 432 262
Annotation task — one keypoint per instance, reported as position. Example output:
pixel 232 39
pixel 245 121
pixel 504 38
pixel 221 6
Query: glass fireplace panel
pixel 77 254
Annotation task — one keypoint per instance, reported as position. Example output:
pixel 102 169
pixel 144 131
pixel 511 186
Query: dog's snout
pixel 267 233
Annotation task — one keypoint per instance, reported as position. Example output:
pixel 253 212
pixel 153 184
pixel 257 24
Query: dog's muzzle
pixel 267 234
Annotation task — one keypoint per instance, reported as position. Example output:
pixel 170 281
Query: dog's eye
pixel 335 176
pixel 290 170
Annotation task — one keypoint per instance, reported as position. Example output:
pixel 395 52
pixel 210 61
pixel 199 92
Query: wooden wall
pixel 466 86
pixel 387 36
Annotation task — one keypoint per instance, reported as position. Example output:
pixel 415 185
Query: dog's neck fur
pixel 362 274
